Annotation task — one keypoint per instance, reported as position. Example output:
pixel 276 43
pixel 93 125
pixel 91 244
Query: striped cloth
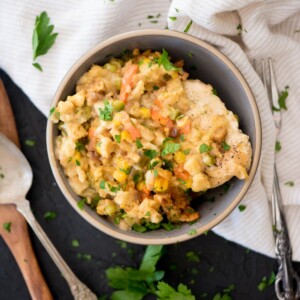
pixel 268 28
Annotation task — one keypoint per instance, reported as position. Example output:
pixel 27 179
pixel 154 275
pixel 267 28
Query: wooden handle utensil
pixel 18 239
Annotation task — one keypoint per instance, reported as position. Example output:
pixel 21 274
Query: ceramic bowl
pixel 210 66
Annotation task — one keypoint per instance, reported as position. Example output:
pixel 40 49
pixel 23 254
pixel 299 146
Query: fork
pixel 287 282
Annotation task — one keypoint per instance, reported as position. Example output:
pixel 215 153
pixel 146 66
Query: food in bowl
pixel 138 137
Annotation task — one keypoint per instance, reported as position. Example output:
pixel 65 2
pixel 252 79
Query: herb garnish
pixel 277 146
pixel 155 172
pixel 192 256
pixel 80 203
pixel 75 243
pixel 106 113
pixel 77 162
pixel 118 138
pixel 214 92
pixel 225 146
pixel 79 146
pixel 166 292
pixel 50 215
pixel 281 100
pixel 187 28
pixel 165 62
pixel 192 232
pixel 204 148
pixel 29 143
pixel 170 147
pixel 136 177
pixel 173 18
pixel 265 283
pixel 43 38
pixel 138 144
pixel 150 153
pixel 242 207
pixel 289 183
pixel 102 184
pixel 7 226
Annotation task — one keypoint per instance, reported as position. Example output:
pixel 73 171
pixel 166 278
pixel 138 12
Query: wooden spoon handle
pixel 18 239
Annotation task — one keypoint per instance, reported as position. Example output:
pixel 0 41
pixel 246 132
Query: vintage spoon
pixel 15 182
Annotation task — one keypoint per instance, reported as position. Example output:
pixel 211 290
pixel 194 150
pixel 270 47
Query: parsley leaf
pixel 225 146
pixel 265 282
pixel 29 143
pixel 289 183
pixel 138 144
pixel 79 146
pixel 102 184
pixel 136 178
pixel 80 204
pixel 106 113
pixel 281 100
pixel 150 153
pixel 173 18
pixel 43 38
pixel 242 207
pixel 187 28
pixel 204 148
pixel 192 232
pixel 277 146
pixel 50 215
pixel 165 62
pixel 118 138
pixel 166 292
pixel 170 147
pixel 75 243
pixel 214 92
pixel 7 226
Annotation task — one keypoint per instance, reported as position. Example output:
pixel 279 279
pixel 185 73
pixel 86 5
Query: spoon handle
pixel 79 290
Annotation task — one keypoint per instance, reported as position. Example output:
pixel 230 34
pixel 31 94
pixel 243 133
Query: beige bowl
pixel 208 65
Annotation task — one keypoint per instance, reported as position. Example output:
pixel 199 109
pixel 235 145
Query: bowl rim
pixel 183 236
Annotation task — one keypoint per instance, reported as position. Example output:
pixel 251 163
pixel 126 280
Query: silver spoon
pixel 14 185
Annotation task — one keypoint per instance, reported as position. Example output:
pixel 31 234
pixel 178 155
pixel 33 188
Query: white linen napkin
pixel 268 29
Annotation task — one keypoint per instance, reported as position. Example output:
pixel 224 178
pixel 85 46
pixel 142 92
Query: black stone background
pixel 222 263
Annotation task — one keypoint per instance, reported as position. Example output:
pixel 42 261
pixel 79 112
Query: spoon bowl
pixel 16 172
pixel 15 181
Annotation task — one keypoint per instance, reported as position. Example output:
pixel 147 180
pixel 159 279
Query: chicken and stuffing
pixel 138 136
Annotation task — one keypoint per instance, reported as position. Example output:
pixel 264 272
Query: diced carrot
pixel 134 131
pixel 91 132
pixel 158 102
pixel 127 82
pixel 181 173
pixel 157 117
pixel 186 128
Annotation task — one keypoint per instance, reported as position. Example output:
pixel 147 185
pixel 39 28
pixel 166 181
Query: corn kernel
pixel 188 183
pixel 117 123
pixel 179 157
pixel 122 163
pixel 145 113
pixel 161 184
pixel 76 157
pixel 98 149
pixel 140 186
pixel 125 136
pixel 120 176
pixel 174 74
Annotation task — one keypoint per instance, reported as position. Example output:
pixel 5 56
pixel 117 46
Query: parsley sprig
pixel 134 284
pixel 106 112
pixel 43 38
pixel 165 62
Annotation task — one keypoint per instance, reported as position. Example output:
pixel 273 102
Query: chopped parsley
pixel 170 147
pixel 106 112
pixel 118 138
pixel 187 28
pixel 190 54
pixel 147 214
pixel 277 146
pixel 52 110
pixel 75 243
pixel 139 228
pixel 225 146
pixel 166 292
pixel 77 162
pixel 173 18
pixel 102 184
pixel 2 175
pixel 155 87
pixel 138 144
pixel 165 62
pixel 79 146
pixel 289 183
pixel 192 256
pixel 150 153
pixel 126 171
pixel 29 143
pixel 155 172
pixel 226 187
pixel 204 148
pixel 282 99
pixel 192 232
pixel 186 151
pixel 50 215
pixel 266 282
pixel 80 204
pixel 7 226
pixel 136 178
pixel 242 207
pixel 43 38
pixel 182 137
pixel 214 92
pixel 114 189
pixel 168 165
pixel 239 28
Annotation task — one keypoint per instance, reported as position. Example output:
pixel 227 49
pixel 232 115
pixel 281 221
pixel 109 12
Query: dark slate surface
pixel 221 264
